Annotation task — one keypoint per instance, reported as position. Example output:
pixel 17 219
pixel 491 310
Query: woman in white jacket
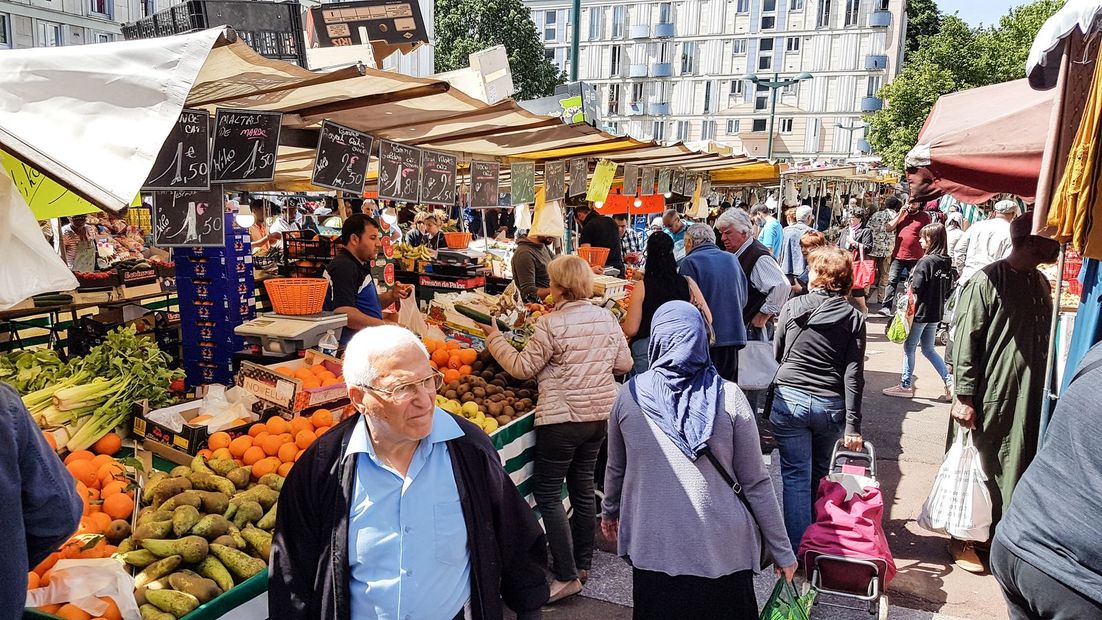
pixel 574 354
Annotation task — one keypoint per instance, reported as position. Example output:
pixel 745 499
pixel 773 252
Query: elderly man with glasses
pixel 403 510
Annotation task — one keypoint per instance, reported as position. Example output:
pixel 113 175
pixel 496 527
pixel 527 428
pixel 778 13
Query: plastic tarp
pixel 31 265
pixel 981 142
pixel 1043 64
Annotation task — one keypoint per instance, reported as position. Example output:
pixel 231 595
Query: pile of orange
pixel 272 446
pixel 312 377
pixel 69 611
pixel 451 357
pixel 102 485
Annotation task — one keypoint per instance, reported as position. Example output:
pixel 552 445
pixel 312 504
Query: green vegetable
pixel 479 317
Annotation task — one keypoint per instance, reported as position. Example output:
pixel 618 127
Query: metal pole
pixel 1049 395
pixel 772 119
pixel 575 37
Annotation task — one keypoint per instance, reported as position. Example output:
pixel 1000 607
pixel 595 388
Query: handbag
pixel 757 364
pixel 771 391
pixel 786 604
pixel 864 270
pixel 766 558
pixel 959 503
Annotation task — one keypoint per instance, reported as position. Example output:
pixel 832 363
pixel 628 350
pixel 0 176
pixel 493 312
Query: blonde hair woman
pixel 574 353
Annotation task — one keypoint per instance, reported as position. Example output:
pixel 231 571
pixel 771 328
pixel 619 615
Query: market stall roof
pixel 1042 67
pixel 974 149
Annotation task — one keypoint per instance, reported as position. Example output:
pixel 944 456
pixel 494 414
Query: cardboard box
pixel 181 446
pixel 288 393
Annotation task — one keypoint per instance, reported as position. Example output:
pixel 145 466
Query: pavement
pixel 909 438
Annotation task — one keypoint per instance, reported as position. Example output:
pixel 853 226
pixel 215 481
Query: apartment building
pixel 674 70
pixel 52 23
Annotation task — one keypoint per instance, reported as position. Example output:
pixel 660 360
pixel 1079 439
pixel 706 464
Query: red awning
pixel 982 142
pixel 619 203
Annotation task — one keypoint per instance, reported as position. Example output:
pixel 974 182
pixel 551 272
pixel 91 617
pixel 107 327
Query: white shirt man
pixel 985 242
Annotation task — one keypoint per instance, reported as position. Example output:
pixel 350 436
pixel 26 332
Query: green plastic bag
pixel 785 604
pixel 897 331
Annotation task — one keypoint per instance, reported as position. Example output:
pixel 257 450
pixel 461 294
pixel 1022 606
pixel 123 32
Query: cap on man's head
pixel 1006 206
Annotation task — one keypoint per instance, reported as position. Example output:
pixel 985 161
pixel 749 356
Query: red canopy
pixel 981 142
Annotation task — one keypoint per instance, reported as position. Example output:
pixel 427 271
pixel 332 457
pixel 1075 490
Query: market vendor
pixel 73 234
pixel 529 265
pixel 425 231
pixel 287 222
pixel 600 231
pixel 352 290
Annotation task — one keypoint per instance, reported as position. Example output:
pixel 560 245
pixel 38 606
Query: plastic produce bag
pixel 411 318
pixel 80 582
pixel 785 604
pixel 547 221
pixel 959 503
pixel 31 265
pixel 900 325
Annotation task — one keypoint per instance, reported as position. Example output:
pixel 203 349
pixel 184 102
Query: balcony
pixel 658 109
pixel 874 62
pixel 635 108
pixel 661 69
pixel 664 31
pixel 639 31
pixel 871 104
pixel 880 19
pixel 637 70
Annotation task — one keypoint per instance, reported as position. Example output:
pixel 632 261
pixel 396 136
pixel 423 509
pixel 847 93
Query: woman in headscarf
pixel 693 544
pixel 954 230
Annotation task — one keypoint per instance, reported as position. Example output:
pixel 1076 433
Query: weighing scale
pixel 283 334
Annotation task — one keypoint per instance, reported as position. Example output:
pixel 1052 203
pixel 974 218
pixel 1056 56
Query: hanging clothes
pixel 1073 201
pixel 790 195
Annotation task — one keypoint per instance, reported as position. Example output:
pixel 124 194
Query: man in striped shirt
pixel 72 234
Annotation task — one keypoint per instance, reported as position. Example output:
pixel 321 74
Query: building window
pixel 619 16
pixel 100 7
pixel 875 81
pixel 883 4
pixel 768 6
pixel 823 19
pixel 665 52
pixel 786 125
pixel 708 97
pixel 614 128
pixel 659 131
pixel 768 22
pixel 665 13
pixel 743 6
pixel 761 102
pixel 549 54
pixel 636 93
pixel 732 126
pixel 796 5
pixel 739 47
pixel 766 45
pixel 596 23
pixel 853 7
pixel 662 92
pixel 616 64
pixel 792 44
pixel 614 99
pixel 759 125
pixel 737 87
pixel 49 34
pixel 5 34
pixel 682 131
pixel 148 8
pixel 792 89
pixel 104 38
pixel 688 58
pixel 765 63
pixel 708 130
pixel 549 25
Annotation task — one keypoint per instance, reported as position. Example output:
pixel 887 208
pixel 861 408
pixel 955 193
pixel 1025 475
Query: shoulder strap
pixel 731 482
pixel 1096 364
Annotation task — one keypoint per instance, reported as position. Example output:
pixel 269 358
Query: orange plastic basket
pixel 457 240
pixel 297 296
pixel 596 257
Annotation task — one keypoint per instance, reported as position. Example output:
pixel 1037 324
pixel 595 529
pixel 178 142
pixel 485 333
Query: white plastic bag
pixel 81 582
pixel 757 364
pixel 959 503
pixel 31 266
pixel 411 318
pixel 547 220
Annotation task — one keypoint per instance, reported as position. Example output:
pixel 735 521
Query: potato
pixel 502 420
pixel 479 392
pixel 509 411
pixel 495 409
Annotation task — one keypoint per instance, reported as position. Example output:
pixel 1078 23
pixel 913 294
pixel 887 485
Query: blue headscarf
pixel 682 390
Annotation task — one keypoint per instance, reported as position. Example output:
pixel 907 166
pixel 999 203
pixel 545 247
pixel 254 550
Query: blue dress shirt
pixel 407 541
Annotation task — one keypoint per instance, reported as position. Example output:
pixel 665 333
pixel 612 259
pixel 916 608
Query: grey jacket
pixel 678 516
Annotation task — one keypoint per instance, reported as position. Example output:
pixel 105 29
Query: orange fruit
pixel 468 356
pixel 277 425
pixel 465 371
pixel 304 438
pixel 287 453
pixel 47 564
pixel 112 612
pixel 326 376
pixel 98 522
pixel 304 373
pixel 331 381
pixel 239 445
pixel 286 372
pixel 286 437
pixel 50 440
pixel 70 611
pixel 299 455
pixel 260 437
pixel 222 454
pixel 79 455
pixel 111 488
pixel 285 469
pixel 83 471
pixel 430 345
pixel 311 384
pixel 321 430
pixel 221 439
pixel 451 375
pixel 433 365
pixel 322 417
pixel 441 357
pixel 264 467
pixel 205 453
pixel 252 455
pixel 299 424
pixel 108 444
pixel 32 580
pixel 271 445
pixel 50 609
pixel 452 345
pixel 454 362
pixel 109 472
pixel 100 460
pixel 319 369
pixel 118 506
pixel 257 428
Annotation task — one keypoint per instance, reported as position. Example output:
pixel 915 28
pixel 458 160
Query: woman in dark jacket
pixel 857 238
pixel 820 344
pixel 931 282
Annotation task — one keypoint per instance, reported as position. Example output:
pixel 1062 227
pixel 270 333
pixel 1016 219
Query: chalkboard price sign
pixel 522 180
pixel 438 178
pixel 648 182
pixel 184 160
pixel 245 145
pixel 399 171
pixel 631 180
pixel 484 183
pixel 189 219
pixel 342 158
pixel 554 180
pixel 664 181
pixel 579 173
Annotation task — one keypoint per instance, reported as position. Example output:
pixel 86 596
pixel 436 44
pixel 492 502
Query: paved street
pixel 909 437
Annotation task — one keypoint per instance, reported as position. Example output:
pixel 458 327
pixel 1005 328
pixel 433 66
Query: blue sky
pixel 976 11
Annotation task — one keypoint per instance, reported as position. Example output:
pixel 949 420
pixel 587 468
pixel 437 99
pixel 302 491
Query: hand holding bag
pixel 864 270
pixel 959 503
pixel 786 604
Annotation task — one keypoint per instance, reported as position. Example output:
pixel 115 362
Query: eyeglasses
pixel 408 391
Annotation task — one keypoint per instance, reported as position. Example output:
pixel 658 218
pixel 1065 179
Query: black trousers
pixel 658 596
pixel 725 359
pixel 568 451
pixel 1032 595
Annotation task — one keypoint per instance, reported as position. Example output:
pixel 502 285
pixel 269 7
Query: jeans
pixel 898 273
pixel 924 333
pixel 1031 594
pixel 640 355
pixel 568 451
pixel 806 427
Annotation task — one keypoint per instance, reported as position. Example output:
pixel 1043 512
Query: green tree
pixel 1005 48
pixel 467 26
pixel 923 20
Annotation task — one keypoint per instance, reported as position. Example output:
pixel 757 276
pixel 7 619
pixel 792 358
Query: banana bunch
pixel 407 251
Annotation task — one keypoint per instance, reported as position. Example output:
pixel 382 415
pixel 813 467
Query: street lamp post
pixel 575 37
pixel 851 129
pixel 774 85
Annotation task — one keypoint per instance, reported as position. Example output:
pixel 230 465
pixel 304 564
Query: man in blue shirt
pixel 770 234
pixel 723 284
pixel 793 262
pixel 403 511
